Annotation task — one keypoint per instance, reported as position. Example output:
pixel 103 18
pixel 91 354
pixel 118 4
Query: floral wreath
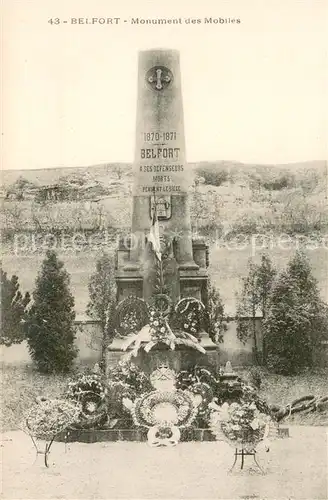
pixel 179 407
pixel 205 392
pixel 189 312
pixel 131 314
pixel 129 374
pixel 161 302
pixel 90 392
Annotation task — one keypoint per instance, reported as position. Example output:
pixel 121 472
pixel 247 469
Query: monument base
pixel 193 276
pixel 138 435
pixel 182 358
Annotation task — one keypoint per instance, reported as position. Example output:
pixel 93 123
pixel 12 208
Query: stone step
pixel 97 435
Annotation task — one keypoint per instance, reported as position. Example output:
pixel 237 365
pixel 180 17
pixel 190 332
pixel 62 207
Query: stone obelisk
pixel 161 174
pixel 162 179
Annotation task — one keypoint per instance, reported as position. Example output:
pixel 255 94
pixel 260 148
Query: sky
pixel 254 92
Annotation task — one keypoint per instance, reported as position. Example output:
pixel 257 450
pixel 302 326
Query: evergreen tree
pixel 50 325
pixel 286 329
pixel 297 319
pixel 254 299
pixel 102 293
pixel 13 310
pixel 215 322
pixel 300 272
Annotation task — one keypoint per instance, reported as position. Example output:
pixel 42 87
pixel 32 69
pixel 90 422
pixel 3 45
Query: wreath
pixel 130 316
pixel 162 303
pixel 90 392
pixel 164 409
pixel 189 313
pixel 131 376
pixel 206 394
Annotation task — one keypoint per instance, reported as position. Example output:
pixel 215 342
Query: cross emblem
pixel 159 77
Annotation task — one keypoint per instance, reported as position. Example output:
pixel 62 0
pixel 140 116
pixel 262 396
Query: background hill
pixel 226 196
pixel 107 171
pixel 240 209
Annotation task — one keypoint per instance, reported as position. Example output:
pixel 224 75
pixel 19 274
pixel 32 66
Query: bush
pixel 13 310
pixel 297 319
pixel 255 377
pixel 278 364
pixel 215 321
pixel 213 175
pixel 277 184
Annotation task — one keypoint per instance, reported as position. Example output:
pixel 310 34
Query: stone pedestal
pixel 181 358
pixel 191 282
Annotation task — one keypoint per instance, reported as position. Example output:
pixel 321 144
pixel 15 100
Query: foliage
pixel 125 380
pixel 159 332
pixel 50 323
pixel 306 285
pixel 286 329
pixel 13 310
pixel 118 414
pixel 297 319
pixel 282 182
pixel 301 207
pixel 215 323
pixel 101 289
pixel 212 174
pixel 254 297
pixel 102 292
pixel 196 374
pixel 255 377
pixel 84 384
pixel 21 385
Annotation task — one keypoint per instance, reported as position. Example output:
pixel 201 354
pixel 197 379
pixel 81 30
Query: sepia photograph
pixel 164 237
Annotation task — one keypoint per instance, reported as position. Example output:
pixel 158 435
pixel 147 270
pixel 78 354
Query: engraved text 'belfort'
pixel 160 153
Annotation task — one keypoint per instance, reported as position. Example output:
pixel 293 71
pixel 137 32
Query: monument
pixel 162 184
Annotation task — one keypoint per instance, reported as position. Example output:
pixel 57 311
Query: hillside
pixel 226 197
pixel 106 171
pixel 240 209
pixel 47 176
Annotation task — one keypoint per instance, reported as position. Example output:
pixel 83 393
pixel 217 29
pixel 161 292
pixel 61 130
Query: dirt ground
pixel 296 467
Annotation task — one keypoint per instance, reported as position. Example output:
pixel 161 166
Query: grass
pixel 283 390
pixel 21 385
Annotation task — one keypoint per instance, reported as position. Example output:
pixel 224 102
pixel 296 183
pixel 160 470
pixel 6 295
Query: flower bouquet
pixel 130 374
pixel 157 332
pixel 242 424
pixel 47 418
